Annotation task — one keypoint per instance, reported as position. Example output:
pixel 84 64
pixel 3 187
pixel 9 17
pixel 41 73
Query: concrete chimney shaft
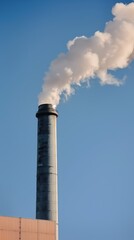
pixel 46 185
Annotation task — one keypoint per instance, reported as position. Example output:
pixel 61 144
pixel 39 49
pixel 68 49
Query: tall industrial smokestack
pixel 46 186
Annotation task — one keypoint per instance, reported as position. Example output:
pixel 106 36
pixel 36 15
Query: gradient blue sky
pixel 95 126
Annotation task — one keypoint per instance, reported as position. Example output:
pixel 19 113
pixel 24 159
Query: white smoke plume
pixel 92 57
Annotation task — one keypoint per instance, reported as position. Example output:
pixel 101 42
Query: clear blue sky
pixel 95 126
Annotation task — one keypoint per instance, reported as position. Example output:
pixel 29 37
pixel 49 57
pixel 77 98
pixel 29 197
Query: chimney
pixel 46 185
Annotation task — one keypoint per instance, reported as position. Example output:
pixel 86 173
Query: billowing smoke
pixel 92 57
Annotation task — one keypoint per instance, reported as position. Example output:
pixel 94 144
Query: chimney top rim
pixel 46 109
